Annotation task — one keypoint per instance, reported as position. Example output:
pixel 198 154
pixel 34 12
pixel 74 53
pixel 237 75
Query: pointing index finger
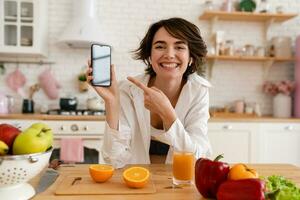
pixel 138 84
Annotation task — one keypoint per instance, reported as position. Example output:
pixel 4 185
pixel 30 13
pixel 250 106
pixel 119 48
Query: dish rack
pixel 17 170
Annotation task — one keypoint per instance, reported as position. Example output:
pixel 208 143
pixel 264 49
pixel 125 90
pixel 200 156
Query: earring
pixel 150 61
pixel 191 61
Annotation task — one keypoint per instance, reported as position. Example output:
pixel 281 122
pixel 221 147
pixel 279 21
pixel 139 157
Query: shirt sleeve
pixel 116 143
pixel 192 136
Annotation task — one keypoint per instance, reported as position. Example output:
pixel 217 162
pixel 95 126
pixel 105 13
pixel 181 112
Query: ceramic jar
pixel 282 106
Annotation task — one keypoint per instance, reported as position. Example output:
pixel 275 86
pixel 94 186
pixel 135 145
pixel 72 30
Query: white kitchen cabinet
pixel 280 143
pixel 234 140
pixel 23 28
pixel 91 132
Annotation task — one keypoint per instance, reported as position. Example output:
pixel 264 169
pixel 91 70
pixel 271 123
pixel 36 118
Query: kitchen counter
pixel 102 118
pixel 52 117
pixel 255 119
pixel 162 178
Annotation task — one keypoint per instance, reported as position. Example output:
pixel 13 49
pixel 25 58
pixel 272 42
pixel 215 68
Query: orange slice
pixel 136 177
pixel 101 173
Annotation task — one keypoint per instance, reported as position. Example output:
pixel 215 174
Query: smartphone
pixel 100 62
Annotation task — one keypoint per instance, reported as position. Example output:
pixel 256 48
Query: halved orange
pixel 136 177
pixel 101 173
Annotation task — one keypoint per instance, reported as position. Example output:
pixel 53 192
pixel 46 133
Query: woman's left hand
pixel 157 102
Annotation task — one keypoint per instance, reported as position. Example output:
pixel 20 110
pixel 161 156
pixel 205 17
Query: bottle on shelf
pixel 264 6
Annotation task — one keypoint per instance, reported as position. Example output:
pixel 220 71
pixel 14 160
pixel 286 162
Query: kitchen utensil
pixel 94 104
pixel 47 179
pixel 15 80
pixel 68 103
pixel 49 84
pixel 34 88
pixel 83 184
pixel 28 106
pixel 16 170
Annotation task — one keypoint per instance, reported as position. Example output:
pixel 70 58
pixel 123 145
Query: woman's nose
pixel 170 53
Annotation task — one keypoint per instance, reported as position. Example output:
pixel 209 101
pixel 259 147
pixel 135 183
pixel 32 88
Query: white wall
pixel 126 23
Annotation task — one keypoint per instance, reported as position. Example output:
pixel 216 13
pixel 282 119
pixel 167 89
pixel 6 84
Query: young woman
pixel 165 109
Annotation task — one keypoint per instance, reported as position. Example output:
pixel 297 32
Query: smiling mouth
pixel 169 65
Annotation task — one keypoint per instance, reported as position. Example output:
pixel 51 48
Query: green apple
pixel 47 130
pixel 37 138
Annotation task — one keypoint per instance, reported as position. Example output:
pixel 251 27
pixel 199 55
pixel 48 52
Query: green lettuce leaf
pixel 287 189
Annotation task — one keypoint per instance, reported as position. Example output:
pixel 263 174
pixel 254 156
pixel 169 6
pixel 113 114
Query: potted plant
pixel 282 100
pixel 83 85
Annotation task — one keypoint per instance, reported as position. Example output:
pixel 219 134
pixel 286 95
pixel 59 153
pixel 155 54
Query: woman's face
pixel 169 56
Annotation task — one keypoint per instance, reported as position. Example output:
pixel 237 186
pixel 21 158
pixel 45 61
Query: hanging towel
pixel 71 150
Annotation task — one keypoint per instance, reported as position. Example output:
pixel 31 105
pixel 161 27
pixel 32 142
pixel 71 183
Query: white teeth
pixel 169 65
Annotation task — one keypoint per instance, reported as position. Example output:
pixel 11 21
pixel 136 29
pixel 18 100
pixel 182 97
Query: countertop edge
pixel 102 118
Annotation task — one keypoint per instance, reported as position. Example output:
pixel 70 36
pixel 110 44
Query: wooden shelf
pixel 246 16
pixel 267 61
pixel 249 58
pixel 266 18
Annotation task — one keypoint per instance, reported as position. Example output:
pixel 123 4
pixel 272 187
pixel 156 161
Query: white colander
pixel 17 170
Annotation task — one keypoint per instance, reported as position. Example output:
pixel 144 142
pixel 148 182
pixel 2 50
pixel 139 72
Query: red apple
pixel 8 133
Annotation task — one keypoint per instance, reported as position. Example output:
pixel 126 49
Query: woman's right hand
pixel 109 94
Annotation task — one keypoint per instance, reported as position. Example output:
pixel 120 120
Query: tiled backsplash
pixel 126 23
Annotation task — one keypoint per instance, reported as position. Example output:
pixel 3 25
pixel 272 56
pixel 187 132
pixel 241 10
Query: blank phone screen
pixel 101 58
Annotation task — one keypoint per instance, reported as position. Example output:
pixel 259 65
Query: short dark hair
pixel 181 29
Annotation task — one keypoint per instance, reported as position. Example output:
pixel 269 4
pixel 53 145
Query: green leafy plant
pixel 284 188
pixel 82 77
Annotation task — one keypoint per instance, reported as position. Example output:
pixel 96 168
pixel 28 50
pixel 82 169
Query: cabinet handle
pixel 289 128
pixel 227 127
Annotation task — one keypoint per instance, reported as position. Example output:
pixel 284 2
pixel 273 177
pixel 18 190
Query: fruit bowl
pixel 17 170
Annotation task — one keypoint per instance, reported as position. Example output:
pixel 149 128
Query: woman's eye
pixel 180 47
pixel 158 47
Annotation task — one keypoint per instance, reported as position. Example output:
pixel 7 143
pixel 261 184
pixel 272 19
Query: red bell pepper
pixel 244 189
pixel 209 175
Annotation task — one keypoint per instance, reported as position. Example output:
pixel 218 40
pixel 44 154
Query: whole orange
pixel 241 171
pixel 136 177
pixel 101 173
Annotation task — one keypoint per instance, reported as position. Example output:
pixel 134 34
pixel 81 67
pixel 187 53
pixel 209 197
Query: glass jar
pixel 260 51
pixel 208 5
pixel 229 48
pixel 264 6
pixel 249 50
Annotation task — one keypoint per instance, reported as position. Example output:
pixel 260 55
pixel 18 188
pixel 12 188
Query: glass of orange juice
pixel 183 167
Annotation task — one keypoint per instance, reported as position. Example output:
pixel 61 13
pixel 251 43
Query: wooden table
pixel 162 178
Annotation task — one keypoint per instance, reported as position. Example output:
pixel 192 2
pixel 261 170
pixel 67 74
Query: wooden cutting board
pixel 83 184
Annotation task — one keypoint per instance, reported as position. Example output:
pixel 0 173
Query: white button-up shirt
pixel 131 143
